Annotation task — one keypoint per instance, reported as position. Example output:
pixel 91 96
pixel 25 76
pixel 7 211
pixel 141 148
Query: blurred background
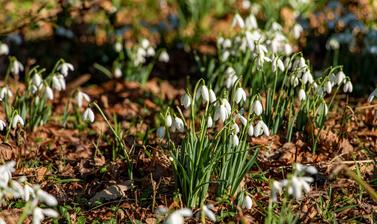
pixel 86 33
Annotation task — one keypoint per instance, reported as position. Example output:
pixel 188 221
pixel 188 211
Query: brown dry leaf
pixel 111 193
pixel 151 221
pixel 168 90
pixel 7 152
pixel 345 146
pixel 10 216
pixel 41 173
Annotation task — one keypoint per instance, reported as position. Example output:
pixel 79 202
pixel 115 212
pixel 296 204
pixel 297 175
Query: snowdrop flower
pixel 80 97
pixel 250 130
pixel 277 188
pixel 237 20
pixel 36 79
pixel 340 77
pixel 348 87
pixel 203 93
pixel 302 63
pixel 299 168
pixel 5 92
pixel 307 77
pixel 372 95
pixel 4 49
pixel 6 173
pixel 150 52
pixel 45 197
pixel 168 121
pixel 328 87
pixel 39 214
pixel 212 96
pixel 294 81
pixel 2 125
pixel 161 132
pixel 297 30
pixel 221 113
pixel 299 185
pixel 178 125
pixel 28 193
pixel 65 67
pixel 164 57
pixel 277 63
pixel 261 128
pixel 228 108
pixel 88 115
pixel 246 4
pixel 239 95
pixel 177 217
pixel 301 95
pixel 242 119
pixel 209 122
pixel 287 49
pixel 257 107
pixel 230 77
pixel 17 120
pixel 227 43
pixel 186 101
pixel 144 43
pixel 209 213
pixel 117 72
pixel 49 94
pixel 118 46
pixel 251 22
pixel 247 202
pixel 17 67
pixel 235 129
pixel 58 82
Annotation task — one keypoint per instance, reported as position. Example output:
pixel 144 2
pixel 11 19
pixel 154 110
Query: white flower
pixel 65 67
pixel 237 20
pixel 212 96
pixel 276 188
pixel 307 77
pixel 302 63
pixel 257 107
pixel 209 122
pixel 6 173
pixel 251 22
pixel 168 121
pixel 228 108
pixel 144 43
pixel 28 193
pixel 17 67
pixel 250 130
pixel 4 49
pixel 164 57
pixel 3 125
pixel 372 95
pixel 118 46
pixel 221 113
pixel 239 95
pixel 227 43
pixel 5 92
pixel 209 213
pixel 36 79
pixel 161 132
pixel 333 43
pixel 49 94
pixel 297 30
pixel 80 96
pixel 277 63
pixel 348 87
pixel 46 197
pixel 299 168
pixel 39 214
pixel 88 115
pixel 294 81
pixel 150 52
pixel 186 101
pixel 328 87
pixel 261 128
pixel 230 77
pixel 235 129
pixel 234 140
pixel 301 95
pixel 178 125
pixel 117 72
pixel 242 119
pixel 56 84
pixel 247 202
pixel 177 217
pixel 203 93
pixel 340 77
pixel 298 185
pixel 17 120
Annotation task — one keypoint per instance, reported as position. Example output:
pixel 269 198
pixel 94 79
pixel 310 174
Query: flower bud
pixel 186 101
pixel 257 107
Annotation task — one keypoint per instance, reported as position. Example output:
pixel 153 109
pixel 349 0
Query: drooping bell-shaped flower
pixel 186 101
pixel 203 93
pixel 347 88
pixel 65 67
pixel 247 202
pixel 17 119
pixel 212 96
pixel 240 95
pixel 161 132
pixel 88 115
pixel 80 97
pixel 301 95
pixel 168 121
pixel 257 107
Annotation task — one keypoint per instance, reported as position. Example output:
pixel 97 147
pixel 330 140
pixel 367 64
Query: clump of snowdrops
pixel 38 203
pixel 295 99
pixel 31 105
pixel 213 131
pixel 135 63
pixel 291 189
